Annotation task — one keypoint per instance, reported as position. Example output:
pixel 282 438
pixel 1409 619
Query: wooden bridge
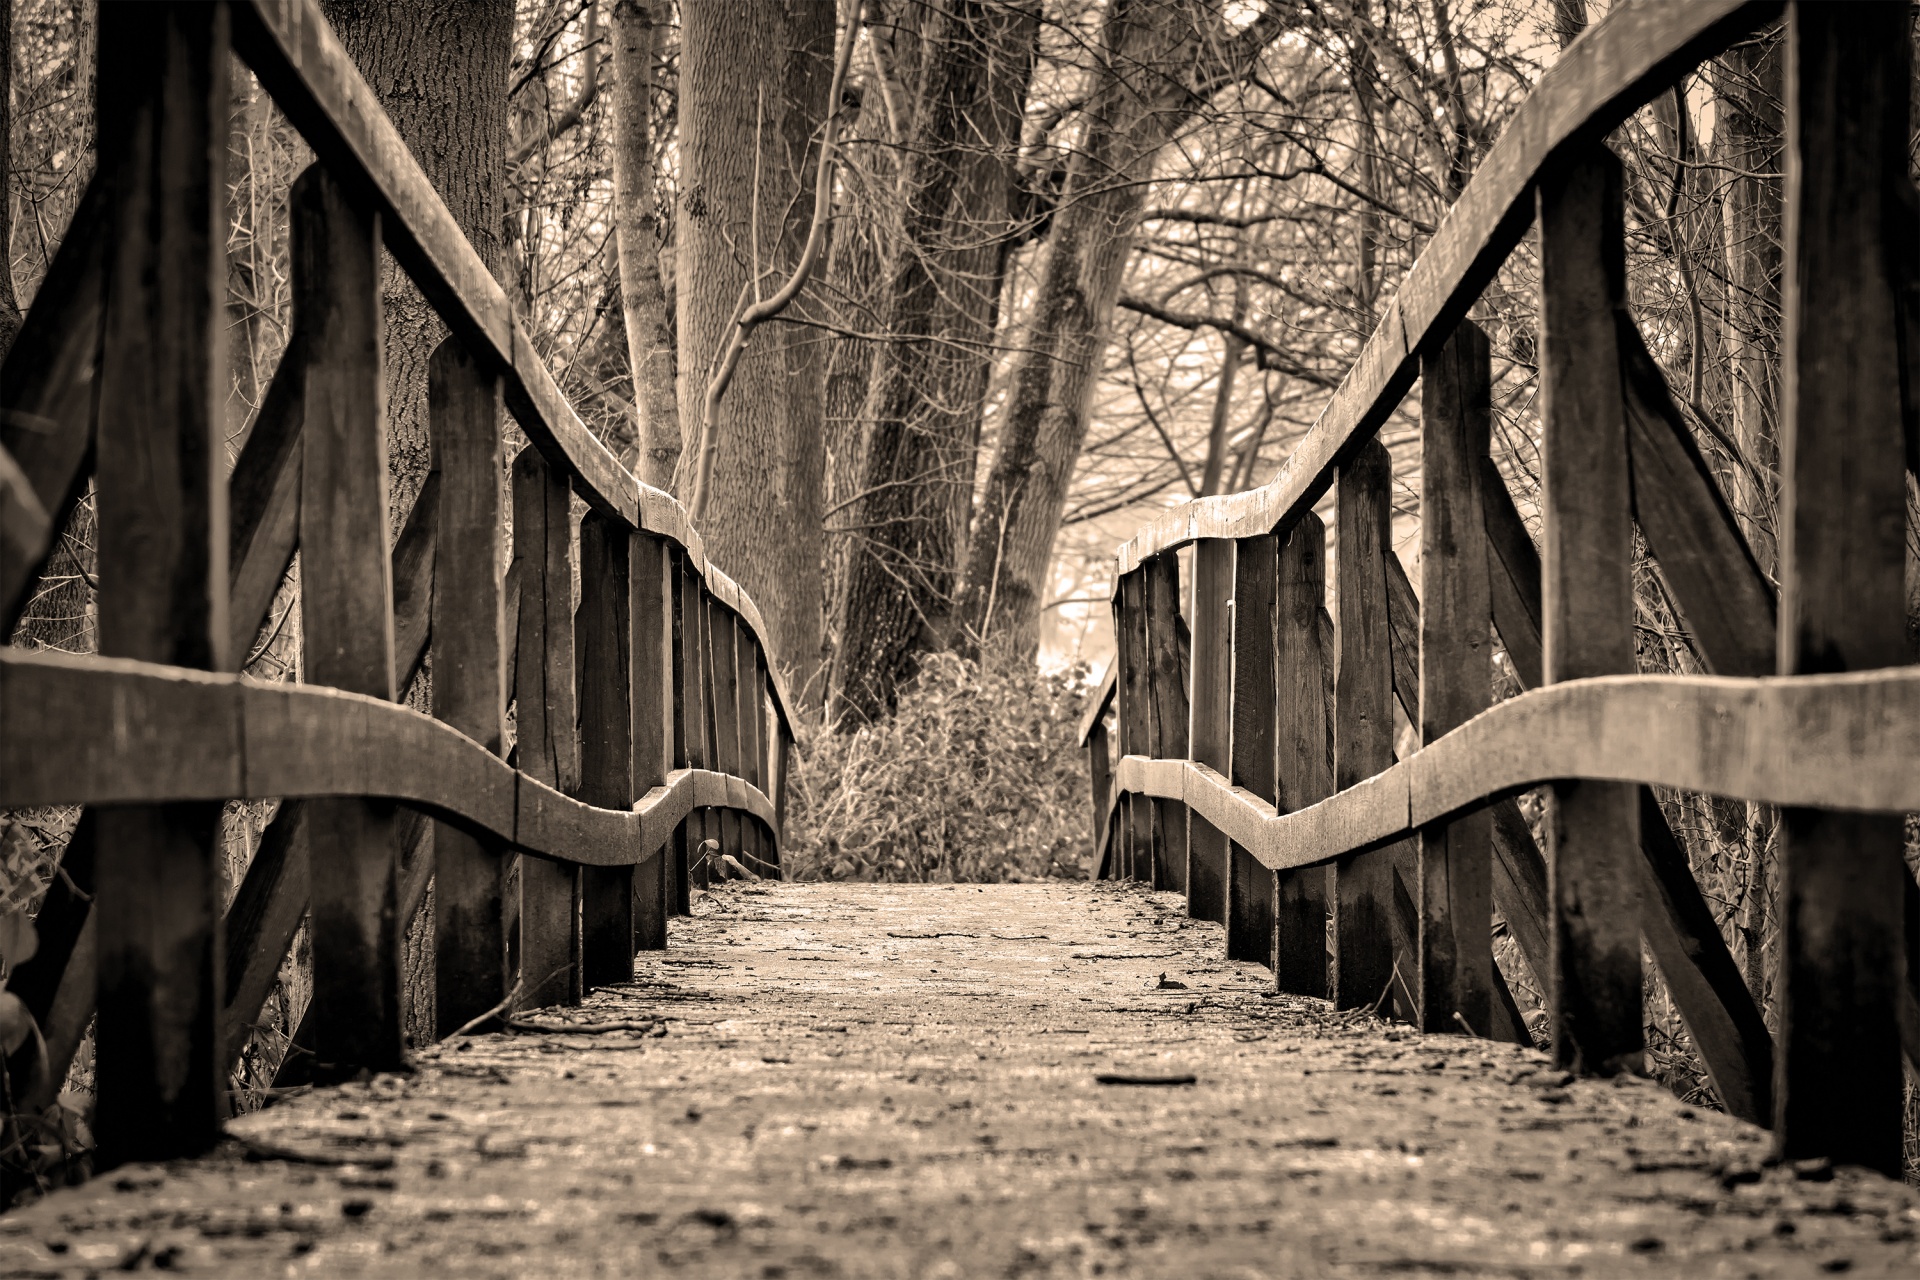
pixel 1256 777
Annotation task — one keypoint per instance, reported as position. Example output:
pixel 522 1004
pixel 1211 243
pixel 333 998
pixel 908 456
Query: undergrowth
pixel 977 777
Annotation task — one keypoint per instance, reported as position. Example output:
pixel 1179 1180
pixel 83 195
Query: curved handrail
pixel 1602 78
pixel 142 733
pixel 1832 742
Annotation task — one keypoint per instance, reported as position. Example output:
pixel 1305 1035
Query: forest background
pixel 923 306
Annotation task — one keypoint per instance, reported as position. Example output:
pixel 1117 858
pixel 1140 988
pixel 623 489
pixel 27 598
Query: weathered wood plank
pixel 263 493
pixel 547 748
pixel 1363 729
pixel 1453 888
pixel 1135 716
pixel 603 666
pixel 1587 608
pixel 1209 728
pixel 650 608
pixel 1100 778
pixel 469 680
pixel 725 690
pixel 1513 575
pixel 690 721
pixel 161 546
pixel 1726 602
pixel 346 615
pixel 752 717
pixel 1302 773
pixel 1250 891
pixel 1843 515
pixel 46 393
pixel 1167 684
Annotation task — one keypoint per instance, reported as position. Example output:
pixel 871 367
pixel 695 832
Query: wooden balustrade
pixel 1422 852
pixel 648 719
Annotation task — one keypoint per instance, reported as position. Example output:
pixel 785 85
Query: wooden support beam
pixel 413 564
pixel 1135 715
pixel 1363 722
pixel 1100 778
pixel 1167 680
pixel 162 539
pixel 64 926
pixel 1250 887
pixel 263 493
pixel 603 666
pixel 726 718
pixel 1209 725
pixel 346 615
pixel 1454 882
pixel 752 717
pixel 47 394
pixel 1587 607
pixel 469 676
pixel 685 713
pixel 649 578
pixel 547 746
pixel 1303 772
pixel 1843 520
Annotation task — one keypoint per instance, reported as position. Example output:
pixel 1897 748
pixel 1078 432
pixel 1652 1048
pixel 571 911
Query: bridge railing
pixel 1257 772
pixel 650 730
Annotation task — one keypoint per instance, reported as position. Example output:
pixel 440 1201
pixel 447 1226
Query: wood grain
pixel 548 745
pixel 161 543
pixel 603 667
pixel 1303 774
pixel 1453 883
pixel 1209 724
pixel 1363 729
pixel 1167 684
pixel 651 704
pixel 1135 715
pixel 1843 516
pixel 469 676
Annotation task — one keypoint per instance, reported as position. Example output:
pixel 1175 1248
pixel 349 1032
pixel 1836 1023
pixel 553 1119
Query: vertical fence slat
pixel 547 745
pixel 1167 678
pixel 1134 716
pixel 162 536
pixel 649 569
pixel 1247 908
pixel 1593 828
pixel 725 823
pixel 1303 773
pixel 1363 722
pixel 683 712
pixel 1453 881
pixel 1843 516
pixel 469 676
pixel 603 665
pixel 346 616
pixel 752 717
pixel 1210 718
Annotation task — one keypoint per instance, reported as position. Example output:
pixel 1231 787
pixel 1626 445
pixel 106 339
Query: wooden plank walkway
pixel 861 1080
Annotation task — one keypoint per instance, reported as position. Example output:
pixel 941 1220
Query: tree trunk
pixel 929 381
pixel 9 302
pixel 439 68
pixel 638 30
pixel 1150 55
pixel 753 83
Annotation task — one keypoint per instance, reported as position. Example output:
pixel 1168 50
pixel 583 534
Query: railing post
pixel 1134 715
pixel 547 746
pixel 1250 889
pixel 1210 720
pixel 651 568
pixel 1304 773
pixel 1844 518
pixel 696 738
pixel 684 712
pixel 1593 828
pixel 752 718
pixel 1453 883
pixel 469 676
pixel 346 616
pixel 1363 722
pixel 1100 778
pixel 603 667
pixel 162 539
pixel 726 725
pixel 1167 675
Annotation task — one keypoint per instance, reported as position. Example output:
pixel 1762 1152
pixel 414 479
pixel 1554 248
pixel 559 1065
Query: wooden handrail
pixel 142 733
pixel 1619 65
pixel 1844 742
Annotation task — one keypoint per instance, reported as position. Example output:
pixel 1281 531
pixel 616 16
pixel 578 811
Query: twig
pixel 259 1150
pixel 582 1028
pixel 497 1010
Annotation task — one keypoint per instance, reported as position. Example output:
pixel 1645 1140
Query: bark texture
pixel 753 84
pixel 929 381
pixel 439 68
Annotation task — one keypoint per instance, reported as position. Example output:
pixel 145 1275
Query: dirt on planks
pixel 959 1081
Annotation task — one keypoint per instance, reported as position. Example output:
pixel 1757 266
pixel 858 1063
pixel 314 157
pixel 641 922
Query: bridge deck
pixel 876 1081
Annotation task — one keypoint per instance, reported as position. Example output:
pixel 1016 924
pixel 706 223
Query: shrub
pixel 977 777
